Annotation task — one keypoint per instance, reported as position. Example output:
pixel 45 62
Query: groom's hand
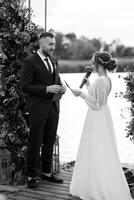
pixel 62 89
pixel 53 89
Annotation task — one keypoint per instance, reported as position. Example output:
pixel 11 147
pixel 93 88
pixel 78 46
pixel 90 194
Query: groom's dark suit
pixel 43 111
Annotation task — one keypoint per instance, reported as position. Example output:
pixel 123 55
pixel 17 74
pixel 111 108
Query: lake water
pixel 73 112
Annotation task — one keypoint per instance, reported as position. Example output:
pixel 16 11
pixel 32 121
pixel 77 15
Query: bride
pixel 98 174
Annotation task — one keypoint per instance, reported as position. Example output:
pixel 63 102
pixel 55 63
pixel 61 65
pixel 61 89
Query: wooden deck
pixel 45 191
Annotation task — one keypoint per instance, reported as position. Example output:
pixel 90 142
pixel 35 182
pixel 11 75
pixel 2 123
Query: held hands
pixel 62 89
pixel 55 89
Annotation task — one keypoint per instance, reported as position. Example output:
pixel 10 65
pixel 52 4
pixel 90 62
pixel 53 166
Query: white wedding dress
pixel 98 174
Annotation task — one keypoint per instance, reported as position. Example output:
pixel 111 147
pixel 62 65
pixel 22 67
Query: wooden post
pixel 29 7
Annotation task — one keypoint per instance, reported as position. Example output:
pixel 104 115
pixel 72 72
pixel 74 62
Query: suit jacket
pixel 34 79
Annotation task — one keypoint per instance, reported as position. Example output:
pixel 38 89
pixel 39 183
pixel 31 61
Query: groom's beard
pixel 49 53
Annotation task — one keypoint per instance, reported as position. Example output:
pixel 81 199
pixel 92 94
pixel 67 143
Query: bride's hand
pixel 87 83
pixel 76 92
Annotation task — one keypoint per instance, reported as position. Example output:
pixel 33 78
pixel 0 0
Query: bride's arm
pixel 89 99
pixel 95 99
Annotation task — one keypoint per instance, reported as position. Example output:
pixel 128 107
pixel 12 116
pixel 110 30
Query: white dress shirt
pixel 43 59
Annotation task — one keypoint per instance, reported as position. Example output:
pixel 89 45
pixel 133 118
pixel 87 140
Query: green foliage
pixel 126 64
pixel 59 51
pixel 70 47
pixel 77 66
pixel 130 97
pixel 18 38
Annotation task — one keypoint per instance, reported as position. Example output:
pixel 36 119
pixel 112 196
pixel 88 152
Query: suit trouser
pixel 42 136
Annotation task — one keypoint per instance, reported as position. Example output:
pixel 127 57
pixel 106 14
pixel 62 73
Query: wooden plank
pixel 47 195
pixel 6 188
pixel 55 190
pixel 49 184
pixel 46 190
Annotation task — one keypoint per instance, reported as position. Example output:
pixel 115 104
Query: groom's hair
pixel 46 34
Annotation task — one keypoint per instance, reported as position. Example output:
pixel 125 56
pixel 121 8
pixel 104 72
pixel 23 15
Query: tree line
pixel 69 47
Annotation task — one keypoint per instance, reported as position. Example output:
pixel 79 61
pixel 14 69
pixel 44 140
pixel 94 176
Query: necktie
pixel 48 64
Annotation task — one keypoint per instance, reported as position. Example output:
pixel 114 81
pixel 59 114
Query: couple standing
pixel 97 173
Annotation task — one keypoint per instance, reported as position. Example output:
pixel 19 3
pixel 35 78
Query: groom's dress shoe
pixel 51 178
pixel 32 183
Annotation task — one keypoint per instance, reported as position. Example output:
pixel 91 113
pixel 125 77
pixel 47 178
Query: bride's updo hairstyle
pixel 105 59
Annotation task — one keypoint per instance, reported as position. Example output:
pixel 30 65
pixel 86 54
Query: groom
pixel 41 81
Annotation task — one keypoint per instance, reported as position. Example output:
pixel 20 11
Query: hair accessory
pixel 103 62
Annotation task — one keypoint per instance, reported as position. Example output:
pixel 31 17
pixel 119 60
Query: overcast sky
pixel 106 19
